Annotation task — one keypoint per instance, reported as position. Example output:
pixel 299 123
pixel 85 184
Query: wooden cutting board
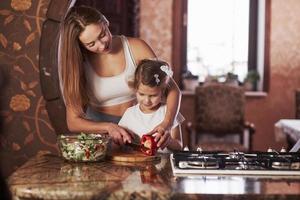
pixel 132 156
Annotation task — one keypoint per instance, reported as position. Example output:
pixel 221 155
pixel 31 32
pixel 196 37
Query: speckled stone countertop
pixel 48 176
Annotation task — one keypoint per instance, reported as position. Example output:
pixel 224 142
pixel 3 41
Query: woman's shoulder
pixel 137 43
pixel 133 41
pixel 140 49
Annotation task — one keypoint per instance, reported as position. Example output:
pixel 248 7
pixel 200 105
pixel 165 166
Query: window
pixel 213 37
pixel 217 37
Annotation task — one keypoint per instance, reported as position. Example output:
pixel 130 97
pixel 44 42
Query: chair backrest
pixel 219 109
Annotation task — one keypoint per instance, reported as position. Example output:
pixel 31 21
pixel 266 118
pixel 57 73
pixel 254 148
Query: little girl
pixel 151 82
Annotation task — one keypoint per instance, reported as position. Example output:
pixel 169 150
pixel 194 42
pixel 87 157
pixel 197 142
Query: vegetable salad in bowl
pixel 83 147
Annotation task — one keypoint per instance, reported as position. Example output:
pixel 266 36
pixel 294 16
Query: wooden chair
pixel 219 123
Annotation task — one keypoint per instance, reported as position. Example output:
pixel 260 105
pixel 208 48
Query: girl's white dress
pixel 141 123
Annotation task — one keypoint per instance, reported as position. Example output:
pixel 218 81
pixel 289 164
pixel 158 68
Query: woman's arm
pixel 77 123
pixel 175 142
pixel 173 104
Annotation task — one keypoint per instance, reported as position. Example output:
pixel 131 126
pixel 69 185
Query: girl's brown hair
pixel 149 72
pixel 71 55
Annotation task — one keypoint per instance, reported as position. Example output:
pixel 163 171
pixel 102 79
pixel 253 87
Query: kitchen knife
pixel 135 146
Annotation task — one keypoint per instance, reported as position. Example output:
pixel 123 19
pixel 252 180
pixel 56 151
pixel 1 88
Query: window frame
pixel 179 53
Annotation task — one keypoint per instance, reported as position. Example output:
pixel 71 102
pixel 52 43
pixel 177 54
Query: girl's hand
pixel 119 134
pixel 161 134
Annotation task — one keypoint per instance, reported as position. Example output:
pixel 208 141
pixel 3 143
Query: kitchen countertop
pixel 48 176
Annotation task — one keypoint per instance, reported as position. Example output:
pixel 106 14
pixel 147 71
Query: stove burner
pixel 236 155
pixel 284 163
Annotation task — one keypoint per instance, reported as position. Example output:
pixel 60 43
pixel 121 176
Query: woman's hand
pixel 119 134
pixel 161 134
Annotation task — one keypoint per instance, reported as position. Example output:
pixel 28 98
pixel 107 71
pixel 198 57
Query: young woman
pixel 151 83
pixel 95 67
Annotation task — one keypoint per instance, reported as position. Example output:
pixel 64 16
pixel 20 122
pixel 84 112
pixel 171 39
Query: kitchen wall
pixel 25 127
pixel 156 26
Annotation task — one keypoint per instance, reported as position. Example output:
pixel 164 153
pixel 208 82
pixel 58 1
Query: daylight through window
pixel 217 37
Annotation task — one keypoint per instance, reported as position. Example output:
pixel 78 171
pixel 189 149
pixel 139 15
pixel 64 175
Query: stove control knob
pixel 183 164
pixel 283 150
pixel 270 150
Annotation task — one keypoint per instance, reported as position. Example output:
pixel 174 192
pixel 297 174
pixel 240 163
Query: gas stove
pixel 235 163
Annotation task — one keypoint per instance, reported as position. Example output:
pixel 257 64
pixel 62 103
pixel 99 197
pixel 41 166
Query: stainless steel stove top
pixel 235 163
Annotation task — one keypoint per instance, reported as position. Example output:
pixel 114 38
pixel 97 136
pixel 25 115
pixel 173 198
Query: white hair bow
pixel 167 70
pixel 156 78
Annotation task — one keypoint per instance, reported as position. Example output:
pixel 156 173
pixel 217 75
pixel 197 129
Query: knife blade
pixel 138 147
pixel 135 146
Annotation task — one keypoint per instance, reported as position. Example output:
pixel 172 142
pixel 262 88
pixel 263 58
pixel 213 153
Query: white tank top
pixel 114 90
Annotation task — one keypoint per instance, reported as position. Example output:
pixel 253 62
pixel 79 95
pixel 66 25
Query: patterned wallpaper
pixel 156 26
pixel 285 53
pixel 25 126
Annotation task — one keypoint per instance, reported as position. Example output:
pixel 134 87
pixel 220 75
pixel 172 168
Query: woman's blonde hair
pixel 73 78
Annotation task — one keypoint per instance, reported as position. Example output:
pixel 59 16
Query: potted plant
pixel 232 79
pixel 190 81
pixel 250 81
